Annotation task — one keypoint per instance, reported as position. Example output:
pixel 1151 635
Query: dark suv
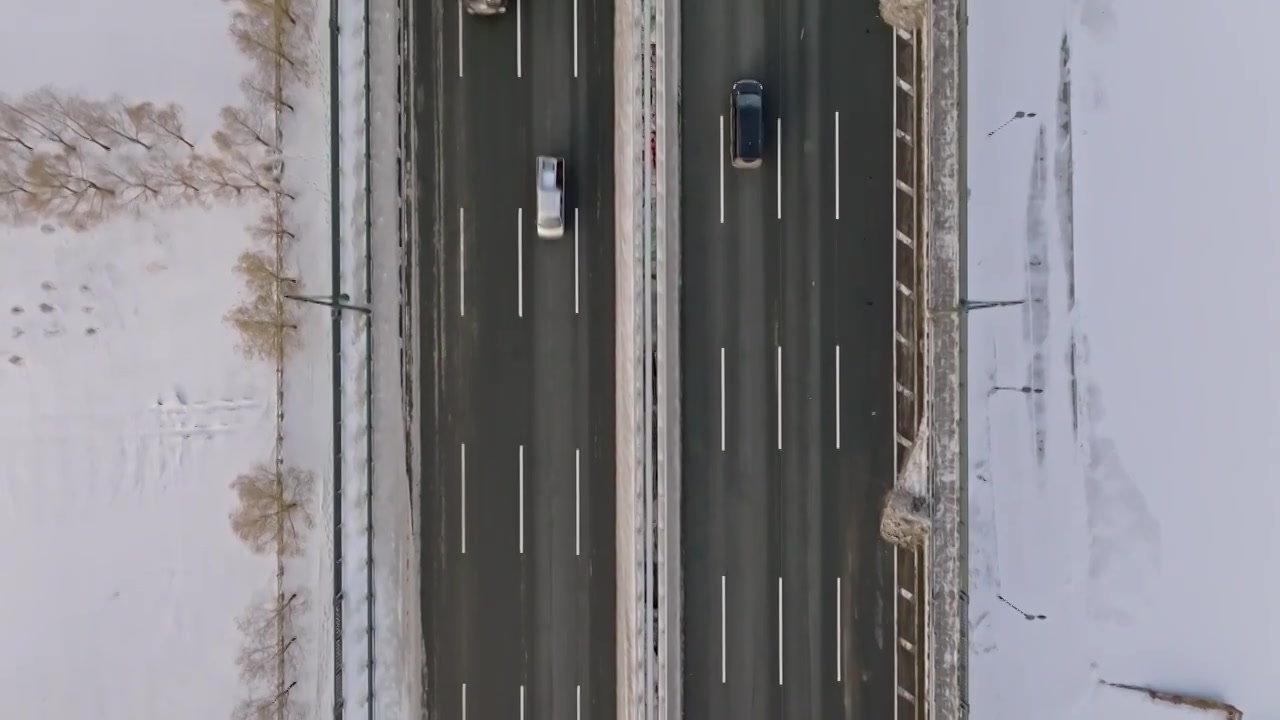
pixel 746 131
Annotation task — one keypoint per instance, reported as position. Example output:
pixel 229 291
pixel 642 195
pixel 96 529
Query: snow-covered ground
pixel 1122 504
pixel 126 409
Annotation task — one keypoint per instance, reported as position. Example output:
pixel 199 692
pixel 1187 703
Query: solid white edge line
pixel 722 632
pixel 464 499
pixel 779 397
pixel 837 397
pixel 779 168
pixel 722 401
pixel 521 702
pixel 721 156
pixel 837 164
pixel 779 630
pixel 460 12
pixel 519 42
pixel 896 684
pixel 575 38
pixel 462 263
pixel 464 701
pixel 521 499
pixel 577 501
pixel 839 635
pixel 578 700
pixel 520 262
pixel 576 284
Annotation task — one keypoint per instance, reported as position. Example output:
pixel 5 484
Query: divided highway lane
pixel 517 353
pixel 787 342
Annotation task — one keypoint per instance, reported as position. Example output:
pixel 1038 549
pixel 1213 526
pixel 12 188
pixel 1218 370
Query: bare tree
pixel 36 125
pixel 271 512
pixel 236 172
pixel 179 176
pixel 270 705
pixel 244 128
pixel 269 633
pixel 260 89
pixel 283 8
pixel 267 330
pixel 76 117
pixel 166 123
pixel 260 274
pixel 66 187
pixel 270 228
pixel 130 122
pixel 14 131
pixel 263 39
pixel 139 182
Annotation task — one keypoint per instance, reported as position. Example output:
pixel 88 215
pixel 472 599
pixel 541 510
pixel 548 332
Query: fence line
pixel 911 675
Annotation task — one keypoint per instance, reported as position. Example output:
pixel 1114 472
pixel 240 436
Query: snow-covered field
pixel 1123 420
pixel 126 409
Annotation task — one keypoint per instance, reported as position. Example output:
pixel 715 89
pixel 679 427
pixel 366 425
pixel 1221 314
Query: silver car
pixel 550 183
pixel 485 7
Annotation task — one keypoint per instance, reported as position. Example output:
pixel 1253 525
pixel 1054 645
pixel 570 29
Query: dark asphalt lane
pixel 516 368
pixel 806 283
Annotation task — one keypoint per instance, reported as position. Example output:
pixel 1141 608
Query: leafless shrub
pixel 69 188
pixel 264 40
pixel 272 508
pixel 244 129
pixel 266 327
pixel 268 656
pixel 260 274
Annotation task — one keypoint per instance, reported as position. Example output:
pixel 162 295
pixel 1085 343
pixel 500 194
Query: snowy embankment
pixel 1119 489
pixel 380 640
pixel 131 403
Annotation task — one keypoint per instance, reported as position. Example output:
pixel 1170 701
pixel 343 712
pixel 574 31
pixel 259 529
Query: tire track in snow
pixel 1035 311
pixel 1064 180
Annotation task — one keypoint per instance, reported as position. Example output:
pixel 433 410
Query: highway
pixel 517 357
pixel 787 340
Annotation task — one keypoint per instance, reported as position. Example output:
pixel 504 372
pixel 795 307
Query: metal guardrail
pixel 909 239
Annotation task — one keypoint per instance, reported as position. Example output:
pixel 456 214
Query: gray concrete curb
pixel 632 499
pixel 948 578
pixel 670 669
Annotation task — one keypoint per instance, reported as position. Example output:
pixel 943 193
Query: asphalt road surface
pixel 787 367
pixel 517 356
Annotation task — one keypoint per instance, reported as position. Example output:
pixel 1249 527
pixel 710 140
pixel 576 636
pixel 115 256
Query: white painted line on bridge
pixel 722 632
pixel 721 156
pixel 578 701
pixel 519 41
pixel 779 168
pixel 577 501
pixel 462 263
pixel 839 636
pixel 520 262
pixel 779 631
pixel 460 13
pixel 464 701
pixel 521 499
pixel 575 38
pixel 722 401
pixel 837 164
pixel 576 284
pixel 779 397
pixel 521 702
pixel 837 397
pixel 464 499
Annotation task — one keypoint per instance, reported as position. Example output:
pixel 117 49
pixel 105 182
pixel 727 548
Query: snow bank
pixel 1124 506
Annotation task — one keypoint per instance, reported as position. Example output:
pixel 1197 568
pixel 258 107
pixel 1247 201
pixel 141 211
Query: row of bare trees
pixel 272 513
pixel 80 162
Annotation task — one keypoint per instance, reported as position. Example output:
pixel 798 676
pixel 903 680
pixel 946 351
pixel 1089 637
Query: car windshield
pixel 749 100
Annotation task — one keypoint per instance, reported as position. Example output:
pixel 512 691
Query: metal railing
pixel 909 241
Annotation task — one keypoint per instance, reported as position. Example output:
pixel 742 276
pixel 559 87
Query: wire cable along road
pixel 786 327
pixel 517 358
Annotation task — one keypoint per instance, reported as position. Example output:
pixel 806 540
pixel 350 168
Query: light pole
pixel 333 302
